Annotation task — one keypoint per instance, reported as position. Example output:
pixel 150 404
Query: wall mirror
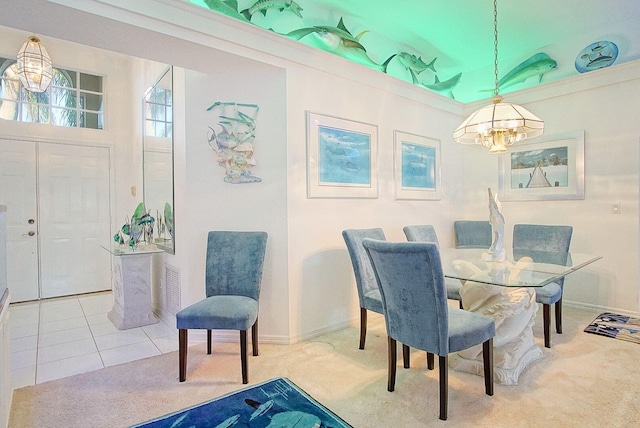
pixel 157 161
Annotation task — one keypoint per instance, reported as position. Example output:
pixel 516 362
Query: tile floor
pixel 55 338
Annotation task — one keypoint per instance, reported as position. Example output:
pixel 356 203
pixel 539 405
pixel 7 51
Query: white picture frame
pixel 341 158
pixel 417 170
pixel 547 168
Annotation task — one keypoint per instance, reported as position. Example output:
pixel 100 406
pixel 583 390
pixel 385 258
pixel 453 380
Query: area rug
pixel 617 326
pixel 274 403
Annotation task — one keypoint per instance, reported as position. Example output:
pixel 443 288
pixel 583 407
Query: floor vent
pixel 172 289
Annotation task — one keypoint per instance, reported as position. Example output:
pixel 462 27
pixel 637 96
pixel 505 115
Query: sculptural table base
pixel 514 311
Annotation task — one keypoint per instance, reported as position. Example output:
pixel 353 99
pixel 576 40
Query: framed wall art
pixel 416 167
pixel 548 168
pixel 341 158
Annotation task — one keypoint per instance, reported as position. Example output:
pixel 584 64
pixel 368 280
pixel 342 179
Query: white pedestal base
pixel 132 291
pixel 514 311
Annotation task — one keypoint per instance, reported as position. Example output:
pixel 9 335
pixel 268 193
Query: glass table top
pixel 522 268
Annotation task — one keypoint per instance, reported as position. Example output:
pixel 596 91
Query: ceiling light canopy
pixel 498 125
pixel 34 66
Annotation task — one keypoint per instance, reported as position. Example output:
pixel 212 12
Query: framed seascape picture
pixel 416 167
pixel 341 158
pixel 548 168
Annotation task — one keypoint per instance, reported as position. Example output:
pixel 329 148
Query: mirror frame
pixel 169 246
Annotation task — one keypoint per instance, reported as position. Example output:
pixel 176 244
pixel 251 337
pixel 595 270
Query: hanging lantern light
pixel 34 66
pixel 498 125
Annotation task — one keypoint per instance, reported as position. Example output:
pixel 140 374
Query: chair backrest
pixel 234 263
pixel 414 297
pixel 472 234
pixel 539 237
pixel 365 278
pixel 421 233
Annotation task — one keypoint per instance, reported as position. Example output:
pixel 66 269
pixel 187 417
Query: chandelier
pixel 498 125
pixel 34 66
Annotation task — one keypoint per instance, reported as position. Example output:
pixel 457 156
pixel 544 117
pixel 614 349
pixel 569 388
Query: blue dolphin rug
pixel 621 327
pixel 274 403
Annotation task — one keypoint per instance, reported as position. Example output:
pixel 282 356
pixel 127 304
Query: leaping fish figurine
pixel 263 5
pixel 415 64
pixel 445 87
pixel 226 7
pixel 339 41
pixel 537 65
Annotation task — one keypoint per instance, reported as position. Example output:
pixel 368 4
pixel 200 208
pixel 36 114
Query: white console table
pixel 132 287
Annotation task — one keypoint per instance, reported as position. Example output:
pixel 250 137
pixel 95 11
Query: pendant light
pixel 498 125
pixel 34 66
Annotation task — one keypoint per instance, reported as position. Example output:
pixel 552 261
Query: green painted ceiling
pixel 458 34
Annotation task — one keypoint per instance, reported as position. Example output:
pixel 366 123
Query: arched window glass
pixel 73 99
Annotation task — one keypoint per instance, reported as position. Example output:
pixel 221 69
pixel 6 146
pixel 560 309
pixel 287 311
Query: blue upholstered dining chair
pixel 548 238
pixel 368 292
pixel 414 302
pixel 472 234
pixel 426 233
pixel 233 275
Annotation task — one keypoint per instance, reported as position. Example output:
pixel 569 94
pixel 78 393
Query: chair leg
pixel 182 354
pixel 559 316
pixel 444 386
pixel 243 355
pixel 254 338
pixel 460 304
pixel 208 342
pixel 546 320
pixel 391 345
pixel 363 327
pixel 406 351
pixel 430 361
pixel 487 359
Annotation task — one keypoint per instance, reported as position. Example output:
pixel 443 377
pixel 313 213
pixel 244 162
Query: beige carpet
pixel 583 380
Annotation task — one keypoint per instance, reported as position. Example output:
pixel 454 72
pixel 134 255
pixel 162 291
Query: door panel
pixel 18 193
pixel 74 219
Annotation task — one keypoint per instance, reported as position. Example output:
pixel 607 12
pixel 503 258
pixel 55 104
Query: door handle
pixel 30 233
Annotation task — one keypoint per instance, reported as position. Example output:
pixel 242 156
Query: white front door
pixel 73 184
pixel 18 193
pixel 70 188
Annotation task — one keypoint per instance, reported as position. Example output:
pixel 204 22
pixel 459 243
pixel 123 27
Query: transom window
pixel 159 112
pixel 73 99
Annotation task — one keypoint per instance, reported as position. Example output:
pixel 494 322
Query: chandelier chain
pixel 495 45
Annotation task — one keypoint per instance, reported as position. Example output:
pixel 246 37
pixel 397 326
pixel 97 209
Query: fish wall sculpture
pixel 261 6
pixel 537 65
pixel 339 41
pixel 444 87
pixel 226 7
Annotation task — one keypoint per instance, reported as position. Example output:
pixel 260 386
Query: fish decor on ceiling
pixel 414 64
pixel 444 87
pixel 537 65
pixel 597 55
pixel 261 6
pixel 233 140
pixel 337 40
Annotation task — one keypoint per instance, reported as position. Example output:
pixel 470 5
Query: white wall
pixel 609 117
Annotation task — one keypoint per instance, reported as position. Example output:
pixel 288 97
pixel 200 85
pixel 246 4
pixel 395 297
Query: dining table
pixel 504 289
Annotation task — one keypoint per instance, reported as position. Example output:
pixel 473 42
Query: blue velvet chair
pixel 234 263
pixel 414 301
pixel 368 292
pixel 472 234
pixel 557 239
pixel 426 233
